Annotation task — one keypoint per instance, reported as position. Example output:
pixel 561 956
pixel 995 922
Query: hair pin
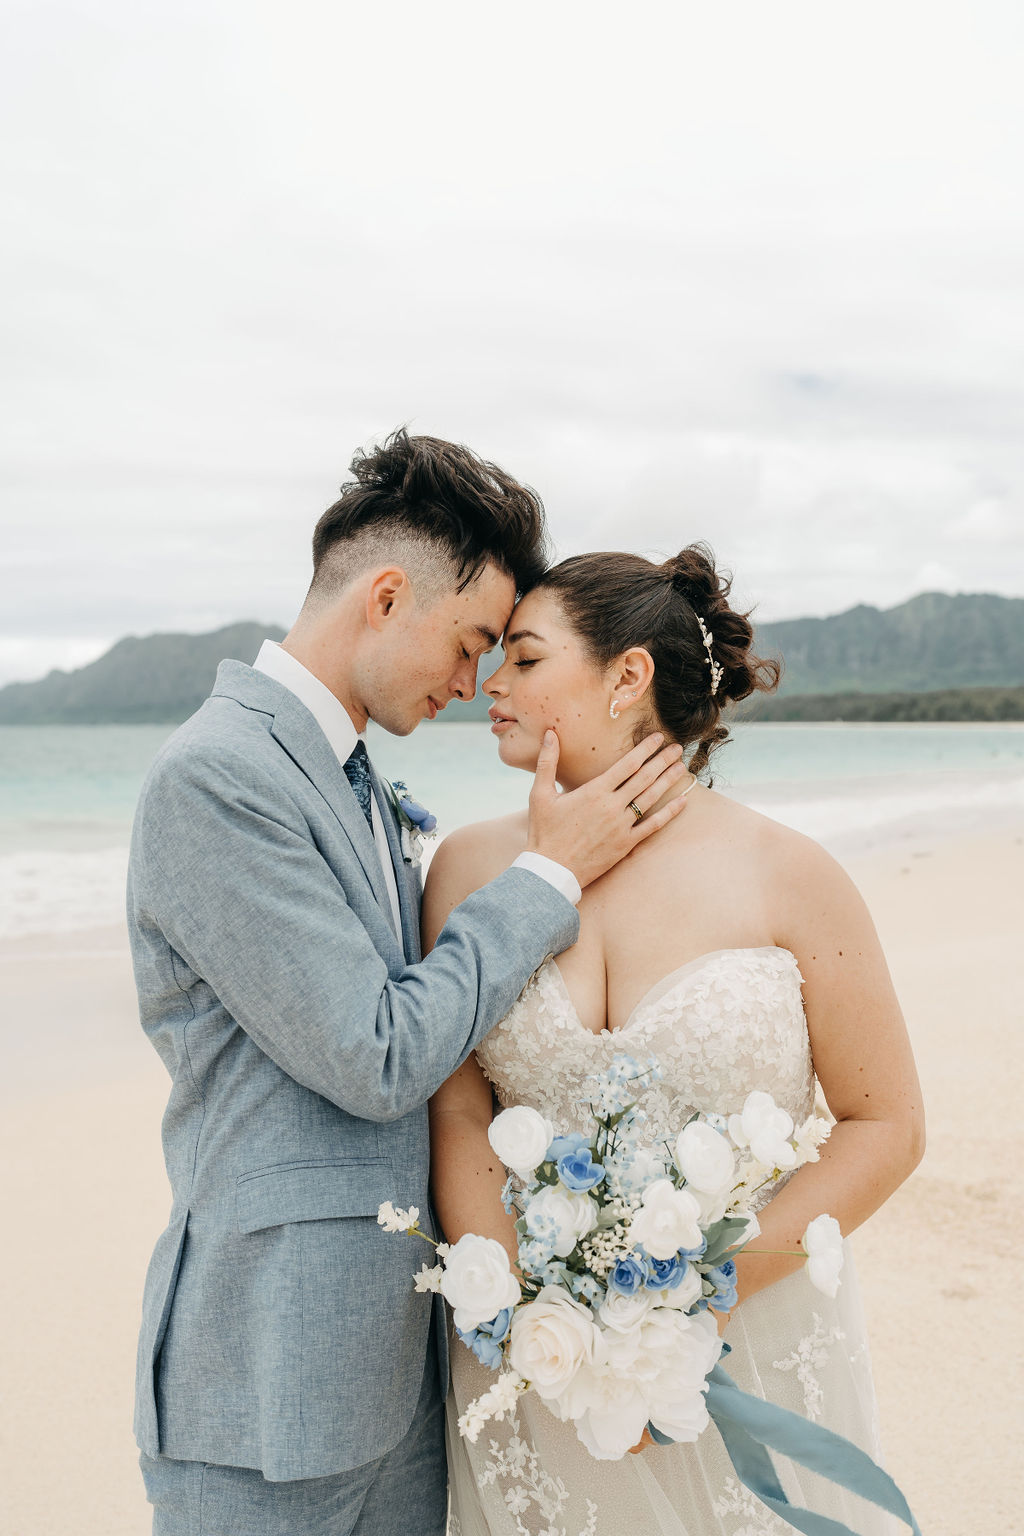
pixel 716 670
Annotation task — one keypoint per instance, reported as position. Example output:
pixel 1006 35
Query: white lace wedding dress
pixel 720 1026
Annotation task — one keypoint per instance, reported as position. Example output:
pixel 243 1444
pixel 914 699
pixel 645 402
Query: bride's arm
pixel 466 1176
pixel 862 1058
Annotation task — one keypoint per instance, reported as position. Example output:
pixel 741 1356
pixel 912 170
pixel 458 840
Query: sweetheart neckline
pixel 667 984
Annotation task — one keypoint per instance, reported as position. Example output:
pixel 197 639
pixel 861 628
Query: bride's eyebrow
pixel 524 634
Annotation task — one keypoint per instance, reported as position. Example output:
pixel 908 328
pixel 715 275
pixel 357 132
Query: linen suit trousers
pixel 405 1491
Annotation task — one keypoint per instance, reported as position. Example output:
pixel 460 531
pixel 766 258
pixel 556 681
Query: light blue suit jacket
pixel 303 1036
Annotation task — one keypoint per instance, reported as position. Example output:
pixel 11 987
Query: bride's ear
pixel 631 677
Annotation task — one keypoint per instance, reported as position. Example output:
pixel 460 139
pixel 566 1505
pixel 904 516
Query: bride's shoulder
pixel 472 855
pixel 784 856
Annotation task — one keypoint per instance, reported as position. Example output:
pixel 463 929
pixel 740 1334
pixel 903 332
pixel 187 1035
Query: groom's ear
pixel 388 593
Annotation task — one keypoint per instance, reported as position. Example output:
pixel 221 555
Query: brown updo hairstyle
pixel 615 601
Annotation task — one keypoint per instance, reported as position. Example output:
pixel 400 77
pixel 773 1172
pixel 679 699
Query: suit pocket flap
pixel 269 1197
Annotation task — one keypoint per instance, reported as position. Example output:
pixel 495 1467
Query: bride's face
pixel 547 680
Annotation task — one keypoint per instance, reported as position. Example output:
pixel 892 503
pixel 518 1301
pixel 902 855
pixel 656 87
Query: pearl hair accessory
pixel 716 670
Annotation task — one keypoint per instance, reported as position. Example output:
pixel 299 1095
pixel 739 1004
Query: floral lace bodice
pixel 719 1026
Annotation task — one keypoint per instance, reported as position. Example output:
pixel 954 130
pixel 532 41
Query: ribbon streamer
pixel 750 1427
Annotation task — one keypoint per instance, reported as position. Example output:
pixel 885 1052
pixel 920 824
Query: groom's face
pixel 431 654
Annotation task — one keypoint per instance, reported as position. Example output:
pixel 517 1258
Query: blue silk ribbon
pixel 750 1427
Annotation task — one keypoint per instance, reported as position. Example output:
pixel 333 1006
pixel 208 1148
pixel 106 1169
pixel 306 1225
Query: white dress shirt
pixel 336 723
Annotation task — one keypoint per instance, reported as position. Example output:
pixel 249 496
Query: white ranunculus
pixel 704 1158
pixel 684 1295
pixel 521 1137
pixel 668 1219
pixel 823 1245
pixel 712 1207
pixel 561 1217
pixel 478 1282
pixel 765 1129
pixel 551 1338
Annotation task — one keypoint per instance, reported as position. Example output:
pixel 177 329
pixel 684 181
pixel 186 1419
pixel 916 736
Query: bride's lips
pixel 501 720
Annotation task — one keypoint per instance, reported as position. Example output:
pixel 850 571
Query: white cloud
pixel 749 273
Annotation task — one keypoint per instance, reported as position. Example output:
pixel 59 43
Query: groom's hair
pixel 435 507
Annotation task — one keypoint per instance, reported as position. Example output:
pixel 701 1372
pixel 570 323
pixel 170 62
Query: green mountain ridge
pixel 148 680
pixel 935 643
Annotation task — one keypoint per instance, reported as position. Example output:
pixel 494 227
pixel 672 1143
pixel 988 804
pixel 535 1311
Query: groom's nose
pixel 463 683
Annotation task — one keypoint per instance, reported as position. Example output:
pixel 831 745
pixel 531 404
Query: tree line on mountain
pixel 936 657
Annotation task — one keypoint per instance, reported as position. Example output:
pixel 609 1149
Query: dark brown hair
pixel 432 489
pixel 615 601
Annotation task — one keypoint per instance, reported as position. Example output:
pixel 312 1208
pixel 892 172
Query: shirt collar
pixel 329 713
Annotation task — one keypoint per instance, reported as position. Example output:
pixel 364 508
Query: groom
pixel 290 1379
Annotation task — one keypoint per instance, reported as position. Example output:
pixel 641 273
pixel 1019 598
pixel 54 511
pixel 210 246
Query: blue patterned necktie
pixel 357 771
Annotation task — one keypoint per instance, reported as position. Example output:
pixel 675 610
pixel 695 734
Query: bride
pixel 738 953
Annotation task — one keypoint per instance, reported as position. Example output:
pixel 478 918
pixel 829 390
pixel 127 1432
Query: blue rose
pixel 577 1170
pixel 417 814
pixel 627 1277
pixel 563 1144
pixel 485 1340
pixel 693 1254
pixel 723 1278
pixel 664 1274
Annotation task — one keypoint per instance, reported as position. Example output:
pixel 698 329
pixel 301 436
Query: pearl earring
pixel 614 711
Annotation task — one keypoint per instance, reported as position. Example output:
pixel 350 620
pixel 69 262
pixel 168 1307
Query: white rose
pixel 478 1281
pixel 668 1219
pixel 560 1217
pixel 521 1137
pixel 704 1158
pixel 622 1313
pixel 823 1245
pixel 765 1129
pixel 551 1338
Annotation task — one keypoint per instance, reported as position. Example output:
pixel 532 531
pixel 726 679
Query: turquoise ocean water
pixel 67 794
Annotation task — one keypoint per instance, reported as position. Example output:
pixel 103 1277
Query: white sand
pixel 85 1197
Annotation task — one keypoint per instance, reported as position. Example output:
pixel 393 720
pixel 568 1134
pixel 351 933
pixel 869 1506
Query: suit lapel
pixel 406 877
pixel 298 734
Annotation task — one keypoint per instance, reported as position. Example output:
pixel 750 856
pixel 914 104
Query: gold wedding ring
pixel 637 812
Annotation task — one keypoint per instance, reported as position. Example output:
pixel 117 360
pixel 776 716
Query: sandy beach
pixel 85 1196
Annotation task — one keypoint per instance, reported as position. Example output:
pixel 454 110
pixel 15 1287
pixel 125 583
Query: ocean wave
pixel 50 891
pixel 865 812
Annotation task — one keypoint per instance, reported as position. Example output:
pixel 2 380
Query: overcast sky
pixel 752 272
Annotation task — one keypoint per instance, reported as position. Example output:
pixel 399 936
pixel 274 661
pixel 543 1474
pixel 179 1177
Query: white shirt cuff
pixel 557 875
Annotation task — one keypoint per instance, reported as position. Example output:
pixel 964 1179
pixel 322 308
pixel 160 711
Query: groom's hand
pixel 590 829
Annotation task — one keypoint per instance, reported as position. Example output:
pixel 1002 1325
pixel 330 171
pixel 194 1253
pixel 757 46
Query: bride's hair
pixel 615 601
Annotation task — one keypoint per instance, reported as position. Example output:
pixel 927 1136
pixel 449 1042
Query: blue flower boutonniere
pixel 415 822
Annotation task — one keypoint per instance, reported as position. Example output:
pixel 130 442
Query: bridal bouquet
pixel 624 1251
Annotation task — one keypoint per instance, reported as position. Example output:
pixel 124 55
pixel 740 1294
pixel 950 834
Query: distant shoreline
pixel 950 706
